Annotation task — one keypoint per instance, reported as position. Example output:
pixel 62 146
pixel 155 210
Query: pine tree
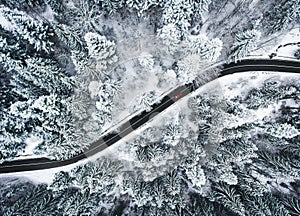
pixel 278 164
pixel 27 5
pixel 97 176
pixel 173 132
pixel 142 6
pixel 146 61
pixel 229 197
pixel 56 5
pixel 207 49
pixel 69 38
pixel 178 13
pixel 252 186
pixel 110 6
pixel 78 203
pixel 7 90
pixel 40 201
pixel 196 175
pixel 101 49
pixel 61 181
pixel 17 124
pixel 281 130
pixel 282 14
pixel 37 33
pixel 170 36
pixel 159 195
pixel 201 6
pixel 270 92
pixel 82 15
pixel 245 42
pixel 188 68
pixel 172 183
pixel 266 205
pixel 144 101
pixel 292 204
pixel 45 75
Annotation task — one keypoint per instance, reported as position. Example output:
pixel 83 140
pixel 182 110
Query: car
pixel 178 96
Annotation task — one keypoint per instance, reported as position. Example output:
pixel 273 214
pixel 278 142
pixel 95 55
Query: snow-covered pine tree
pixel 245 42
pixel 251 186
pixel 102 117
pixel 61 181
pixel 229 197
pixel 144 101
pixel 56 5
pixel 159 193
pixel 270 92
pixel 96 181
pixel 178 12
pixel 146 61
pixel 11 54
pixel 26 5
pixel 282 14
pixel 278 165
pixel 7 90
pixel 188 68
pixel 110 6
pixel 170 36
pixel 38 34
pixel 136 5
pixel 45 75
pixel 208 49
pixel 172 183
pixel 17 124
pixel 78 202
pixel 195 175
pixel 141 6
pixel 38 201
pixel 68 36
pixel 173 132
pixel 265 205
pixel 281 130
pixel 291 203
pixel 101 49
pixel 200 6
pixel 82 15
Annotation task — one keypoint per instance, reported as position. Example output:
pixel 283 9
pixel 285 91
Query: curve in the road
pixel 139 120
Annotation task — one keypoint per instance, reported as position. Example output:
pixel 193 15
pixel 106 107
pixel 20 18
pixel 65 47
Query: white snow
pixel 31 143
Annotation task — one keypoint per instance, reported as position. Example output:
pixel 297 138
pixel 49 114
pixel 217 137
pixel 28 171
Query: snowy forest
pixel 72 69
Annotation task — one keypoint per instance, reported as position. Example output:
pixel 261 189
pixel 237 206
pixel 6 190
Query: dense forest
pixel 66 66
pixel 238 162
pixel 70 69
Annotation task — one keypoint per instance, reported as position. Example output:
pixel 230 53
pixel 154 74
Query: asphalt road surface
pixel 139 120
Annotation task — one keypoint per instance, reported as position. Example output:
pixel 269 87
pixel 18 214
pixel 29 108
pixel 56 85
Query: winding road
pixel 139 120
